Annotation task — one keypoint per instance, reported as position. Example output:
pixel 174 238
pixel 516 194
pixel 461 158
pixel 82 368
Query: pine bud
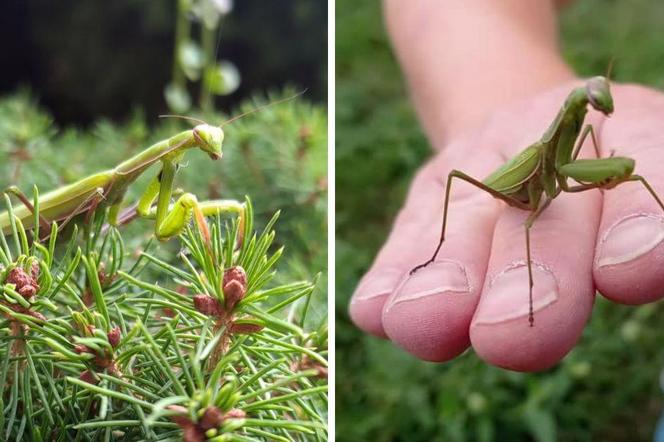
pixel 191 433
pixel 18 277
pixel 80 348
pixel 89 377
pixel 90 329
pixel 35 270
pixel 208 305
pixel 102 276
pixel 24 283
pixel 234 286
pixel 28 291
pixel 212 418
pixel 114 336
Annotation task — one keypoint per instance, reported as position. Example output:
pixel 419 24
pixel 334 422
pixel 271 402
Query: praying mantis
pixel 534 177
pixel 108 188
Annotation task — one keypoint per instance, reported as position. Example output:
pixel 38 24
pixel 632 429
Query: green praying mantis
pixel 108 188
pixel 541 171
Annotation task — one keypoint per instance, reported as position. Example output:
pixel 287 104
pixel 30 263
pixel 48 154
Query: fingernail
pixel 377 284
pixel 438 278
pixel 630 238
pixel 507 298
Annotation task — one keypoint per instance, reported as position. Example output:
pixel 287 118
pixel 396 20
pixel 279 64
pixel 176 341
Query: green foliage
pixel 267 359
pixel 606 389
pixel 94 348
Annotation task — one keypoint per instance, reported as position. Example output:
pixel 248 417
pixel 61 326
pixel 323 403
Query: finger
pixel 429 312
pixel 630 242
pixel 411 240
pixel 562 244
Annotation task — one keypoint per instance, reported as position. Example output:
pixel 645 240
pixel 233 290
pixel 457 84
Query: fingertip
pixel 366 305
pixel 630 246
pixel 562 291
pixel 502 334
pixel 366 315
pixel 523 348
pixel 637 281
pixel 429 313
pixel 630 242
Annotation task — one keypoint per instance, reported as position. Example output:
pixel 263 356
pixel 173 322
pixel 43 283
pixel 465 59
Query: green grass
pixel 606 389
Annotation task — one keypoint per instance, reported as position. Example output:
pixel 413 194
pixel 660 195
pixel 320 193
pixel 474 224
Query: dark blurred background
pixel 85 59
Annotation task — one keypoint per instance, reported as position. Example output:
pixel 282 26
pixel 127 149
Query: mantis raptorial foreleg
pixel 602 170
pixel 171 219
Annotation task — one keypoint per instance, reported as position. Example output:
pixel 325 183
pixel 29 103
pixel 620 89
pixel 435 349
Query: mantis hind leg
pixel 16 191
pixel 467 178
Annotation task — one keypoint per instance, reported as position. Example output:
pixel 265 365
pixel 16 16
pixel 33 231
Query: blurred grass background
pixel 606 389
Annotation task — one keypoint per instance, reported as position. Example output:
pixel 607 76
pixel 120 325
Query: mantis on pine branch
pixel 108 188
pixel 540 172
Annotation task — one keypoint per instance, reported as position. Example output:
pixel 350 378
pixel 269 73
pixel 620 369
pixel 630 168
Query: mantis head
pixel 209 139
pixel 599 95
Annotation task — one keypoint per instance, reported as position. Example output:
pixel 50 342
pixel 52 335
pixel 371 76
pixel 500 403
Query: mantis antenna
pixel 260 108
pixel 183 118
pixel 609 68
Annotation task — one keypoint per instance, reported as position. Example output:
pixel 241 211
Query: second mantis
pixel 538 174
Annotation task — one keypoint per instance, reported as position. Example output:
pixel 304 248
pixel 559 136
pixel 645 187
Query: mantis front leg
pixel 528 224
pixel 171 219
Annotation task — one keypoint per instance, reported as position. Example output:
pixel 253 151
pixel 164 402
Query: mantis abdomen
pixel 62 202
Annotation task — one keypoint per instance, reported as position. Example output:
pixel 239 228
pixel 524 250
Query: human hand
pixel 610 241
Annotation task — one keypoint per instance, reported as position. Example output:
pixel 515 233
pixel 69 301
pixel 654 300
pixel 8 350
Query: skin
pixel 108 188
pixel 474 294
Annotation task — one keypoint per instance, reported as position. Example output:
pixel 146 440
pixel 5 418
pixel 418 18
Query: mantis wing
pixel 509 177
pixel 60 203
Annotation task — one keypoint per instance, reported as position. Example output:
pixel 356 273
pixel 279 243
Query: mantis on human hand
pixel 540 172
pixel 108 188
